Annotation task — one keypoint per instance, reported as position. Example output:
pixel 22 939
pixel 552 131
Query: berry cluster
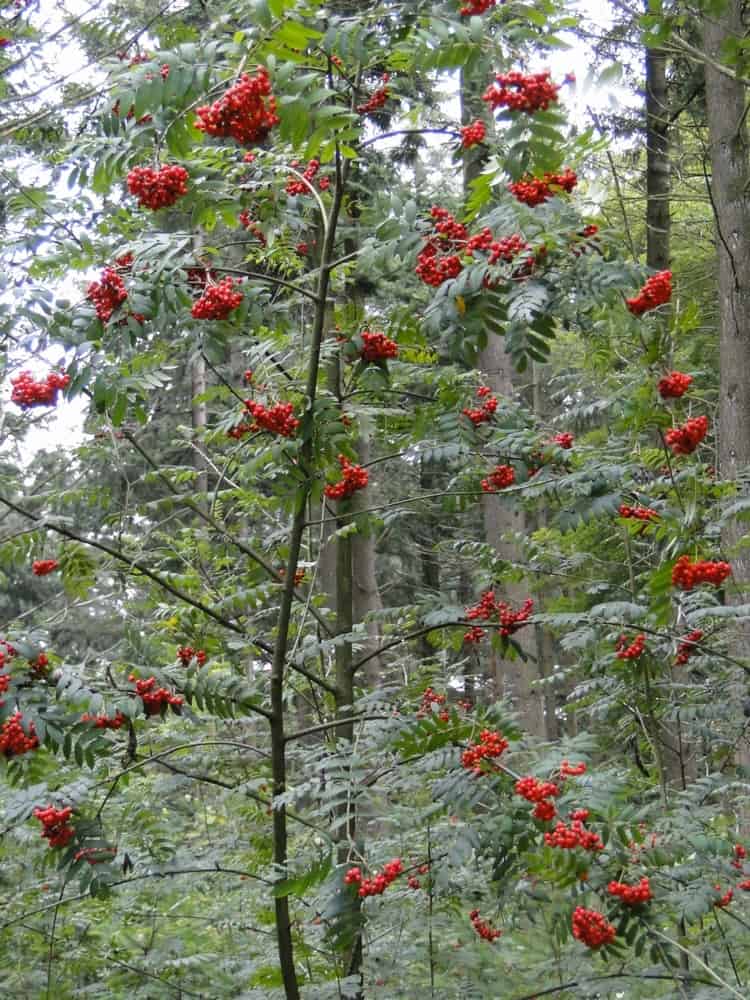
pixel 472 7
pixel 592 928
pixel 684 440
pixel 724 900
pixel 575 835
pixel 631 895
pixel 522 92
pixel 277 419
pixel 482 414
pixel 55 826
pixel 540 792
pixel 376 885
pixel 40 666
pixel 740 853
pixel 434 264
pixel 687 574
pixel 472 135
pixel 377 99
pixel 430 698
pixel 656 291
pixel 104 721
pixel 484 930
pixel 246 112
pixel 41 567
pixel 674 385
pixel 568 770
pixel 107 294
pixel 160 188
pixel 638 513
pixel 439 260
pixel 27 392
pixel 508 248
pixel 377 347
pixel 500 478
pixel 534 790
pixel 491 744
pixel 488 607
pixel 217 301
pixel 686 647
pixel 13 738
pixel 536 190
pixel 564 440
pixel 186 653
pixel 354 478
pixel 295 186
pixel 632 650
pixel 155 700
pixel 252 227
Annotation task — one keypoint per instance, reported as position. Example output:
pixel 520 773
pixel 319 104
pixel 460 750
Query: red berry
pixel 656 292
pixel 522 92
pixel 246 112
pixel 217 301
pixel 160 188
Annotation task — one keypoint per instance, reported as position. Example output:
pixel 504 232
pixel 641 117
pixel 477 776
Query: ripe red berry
pixel 246 112
pixel 499 479
pixel 377 99
pixel 107 294
pixel 674 385
pixel 160 188
pixel 684 440
pixel 155 700
pixel 484 929
pixel 41 567
pixel 686 646
pixel 354 478
pixel 656 292
pixel 14 740
pixel 687 574
pixel 536 190
pixel 631 895
pixel 564 440
pixel 27 392
pixel 55 826
pixel 592 928
pixel 377 347
pixel 638 513
pixel 517 91
pixel 217 301
pixel 632 650
pixel 472 135
pixel 491 744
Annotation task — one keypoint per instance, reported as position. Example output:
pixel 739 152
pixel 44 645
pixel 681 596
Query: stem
pixel 278 744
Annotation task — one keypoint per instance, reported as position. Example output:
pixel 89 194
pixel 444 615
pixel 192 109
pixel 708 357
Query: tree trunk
pixel 199 416
pixel 657 161
pixel 512 679
pixel 730 186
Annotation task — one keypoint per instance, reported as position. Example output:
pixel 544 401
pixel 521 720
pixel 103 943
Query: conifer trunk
pixel 512 679
pixel 726 108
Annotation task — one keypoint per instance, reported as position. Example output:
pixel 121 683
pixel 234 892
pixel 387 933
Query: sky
pixel 64 428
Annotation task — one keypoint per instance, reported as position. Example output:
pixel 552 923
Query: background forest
pixel 374 466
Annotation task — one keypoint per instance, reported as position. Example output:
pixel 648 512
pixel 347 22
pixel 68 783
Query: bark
pixel 730 194
pixel 657 161
pixel 365 591
pixel 199 417
pixel 511 678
